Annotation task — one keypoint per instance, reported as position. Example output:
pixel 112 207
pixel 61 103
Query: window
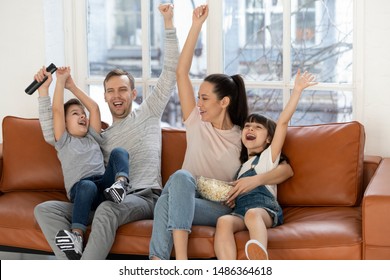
pixel 319 40
pixel 265 41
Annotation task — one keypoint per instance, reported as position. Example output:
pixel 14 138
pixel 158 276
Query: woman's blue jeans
pixel 87 194
pixel 179 207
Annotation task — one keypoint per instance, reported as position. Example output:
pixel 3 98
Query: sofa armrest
pixel 376 214
pixel 371 164
pixel 1 160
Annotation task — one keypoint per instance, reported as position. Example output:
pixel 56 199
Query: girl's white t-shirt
pixel 265 164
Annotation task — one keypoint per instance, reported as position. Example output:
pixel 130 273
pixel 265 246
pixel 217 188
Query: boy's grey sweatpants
pixel 53 216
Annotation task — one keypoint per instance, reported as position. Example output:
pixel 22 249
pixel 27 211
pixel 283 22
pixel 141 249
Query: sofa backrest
pixel 327 161
pixel 29 163
pixel 174 146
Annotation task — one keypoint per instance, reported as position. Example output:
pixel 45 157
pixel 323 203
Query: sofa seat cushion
pixel 313 233
pixel 18 227
pixel 138 234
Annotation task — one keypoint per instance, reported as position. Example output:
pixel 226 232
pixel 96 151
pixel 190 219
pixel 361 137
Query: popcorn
pixel 213 189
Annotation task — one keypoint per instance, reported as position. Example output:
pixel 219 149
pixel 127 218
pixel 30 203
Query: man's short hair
pixel 119 72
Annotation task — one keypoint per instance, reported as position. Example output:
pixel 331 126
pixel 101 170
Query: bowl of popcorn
pixel 213 189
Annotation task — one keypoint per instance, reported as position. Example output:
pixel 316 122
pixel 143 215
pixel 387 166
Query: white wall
pixel 22 51
pixel 376 80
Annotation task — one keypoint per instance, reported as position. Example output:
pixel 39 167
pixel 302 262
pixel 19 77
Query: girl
pixel 258 209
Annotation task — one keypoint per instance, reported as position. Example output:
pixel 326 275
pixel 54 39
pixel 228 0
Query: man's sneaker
pixel 70 243
pixel 116 192
pixel 254 250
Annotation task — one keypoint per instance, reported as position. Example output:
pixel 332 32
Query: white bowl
pixel 213 189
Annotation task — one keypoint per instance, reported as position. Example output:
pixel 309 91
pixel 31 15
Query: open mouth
pixel 250 137
pixel 117 104
pixel 83 122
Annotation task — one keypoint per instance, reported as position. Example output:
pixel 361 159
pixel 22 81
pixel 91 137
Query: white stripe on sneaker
pixel 70 243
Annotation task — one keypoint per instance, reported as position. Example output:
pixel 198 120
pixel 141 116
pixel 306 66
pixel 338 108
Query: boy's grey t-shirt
pixel 80 157
pixel 140 132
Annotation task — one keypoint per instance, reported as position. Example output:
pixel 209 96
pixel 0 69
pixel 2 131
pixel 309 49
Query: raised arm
pixel 157 100
pixel 186 91
pixel 166 11
pixel 88 102
pixel 43 90
pixel 302 81
pixel 58 102
pixel 45 111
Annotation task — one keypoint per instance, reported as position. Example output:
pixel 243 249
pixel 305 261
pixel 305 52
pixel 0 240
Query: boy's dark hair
pixel 72 101
pixel 234 88
pixel 119 72
pixel 270 125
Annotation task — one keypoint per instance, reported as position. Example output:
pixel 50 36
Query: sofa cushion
pixel 327 160
pixel 200 243
pixel 1 159
pixel 172 155
pixel 313 233
pixel 18 227
pixel 26 152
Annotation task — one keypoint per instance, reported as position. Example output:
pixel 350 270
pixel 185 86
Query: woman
pixel 213 139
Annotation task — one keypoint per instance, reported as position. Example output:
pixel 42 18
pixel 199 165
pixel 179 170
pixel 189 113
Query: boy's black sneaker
pixel 116 192
pixel 70 243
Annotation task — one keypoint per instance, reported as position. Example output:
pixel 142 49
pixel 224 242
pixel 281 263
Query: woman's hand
pixel 200 14
pixel 242 185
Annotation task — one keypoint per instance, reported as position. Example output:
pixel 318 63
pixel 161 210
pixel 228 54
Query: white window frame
pixel 75 37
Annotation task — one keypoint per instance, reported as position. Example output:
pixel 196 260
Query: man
pixel 137 131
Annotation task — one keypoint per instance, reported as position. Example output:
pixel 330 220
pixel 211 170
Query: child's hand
pixel 304 80
pixel 200 14
pixel 63 73
pixel 40 75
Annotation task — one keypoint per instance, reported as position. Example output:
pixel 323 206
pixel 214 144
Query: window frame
pixel 75 51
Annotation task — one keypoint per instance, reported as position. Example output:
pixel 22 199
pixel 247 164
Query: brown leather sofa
pixel 336 206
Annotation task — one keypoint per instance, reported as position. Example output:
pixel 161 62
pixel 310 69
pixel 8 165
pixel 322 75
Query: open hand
pixel 242 185
pixel 304 80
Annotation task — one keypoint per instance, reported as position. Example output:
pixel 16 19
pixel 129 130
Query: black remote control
pixel 35 85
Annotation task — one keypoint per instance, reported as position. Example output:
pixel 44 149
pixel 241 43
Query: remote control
pixel 35 85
